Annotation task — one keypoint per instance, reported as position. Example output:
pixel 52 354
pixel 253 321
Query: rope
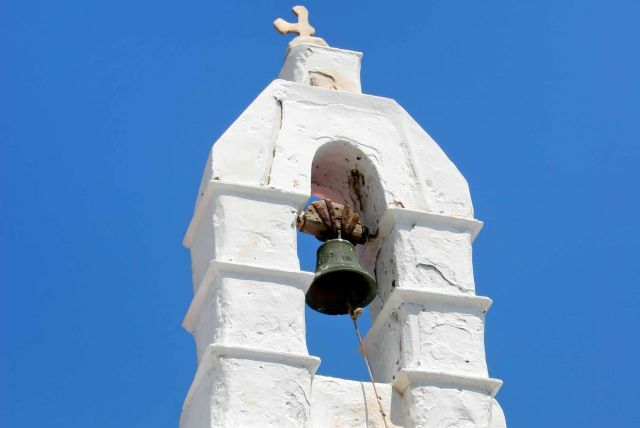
pixel 354 314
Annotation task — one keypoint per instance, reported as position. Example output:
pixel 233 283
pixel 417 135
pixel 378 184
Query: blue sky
pixel 108 111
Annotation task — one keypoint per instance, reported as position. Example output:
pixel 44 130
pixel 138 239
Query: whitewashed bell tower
pixel 312 132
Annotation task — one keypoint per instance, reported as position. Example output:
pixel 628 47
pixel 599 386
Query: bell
pixel 340 282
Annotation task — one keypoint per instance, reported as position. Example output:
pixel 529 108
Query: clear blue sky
pixel 107 113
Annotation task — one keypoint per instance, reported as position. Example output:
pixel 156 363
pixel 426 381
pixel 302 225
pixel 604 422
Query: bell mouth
pixel 335 292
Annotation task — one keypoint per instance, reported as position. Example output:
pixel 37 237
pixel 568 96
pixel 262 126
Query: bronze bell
pixel 340 282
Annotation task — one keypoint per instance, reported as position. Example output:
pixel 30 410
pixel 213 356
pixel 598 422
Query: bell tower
pixel 313 132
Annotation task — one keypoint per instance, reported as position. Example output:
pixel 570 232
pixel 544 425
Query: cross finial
pixel 302 27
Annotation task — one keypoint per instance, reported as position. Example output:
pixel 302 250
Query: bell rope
pixel 354 314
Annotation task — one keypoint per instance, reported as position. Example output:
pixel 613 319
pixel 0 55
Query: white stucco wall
pixel 313 132
pixel 341 403
pixel 273 143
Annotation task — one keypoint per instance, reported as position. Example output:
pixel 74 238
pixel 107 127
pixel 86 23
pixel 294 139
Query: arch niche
pixel 341 172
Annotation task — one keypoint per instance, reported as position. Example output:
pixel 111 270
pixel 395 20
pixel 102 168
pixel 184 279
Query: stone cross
pixel 302 27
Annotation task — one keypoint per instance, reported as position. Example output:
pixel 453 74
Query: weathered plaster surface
pixel 445 400
pixel 265 394
pixel 422 251
pixel 245 387
pixel 322 66
pixel 342 403
pixel 236 304
pixel 443 338
pixel 438 406
pixel 428 331
pixel 262 232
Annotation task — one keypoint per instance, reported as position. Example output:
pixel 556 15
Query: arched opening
pixel 342 173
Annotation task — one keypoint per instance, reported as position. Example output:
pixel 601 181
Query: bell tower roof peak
pixel 310 60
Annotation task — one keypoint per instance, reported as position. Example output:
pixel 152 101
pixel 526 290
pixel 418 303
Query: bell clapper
pixel 354 314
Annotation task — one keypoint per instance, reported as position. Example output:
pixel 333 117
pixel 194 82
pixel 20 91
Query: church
pixel 402 215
